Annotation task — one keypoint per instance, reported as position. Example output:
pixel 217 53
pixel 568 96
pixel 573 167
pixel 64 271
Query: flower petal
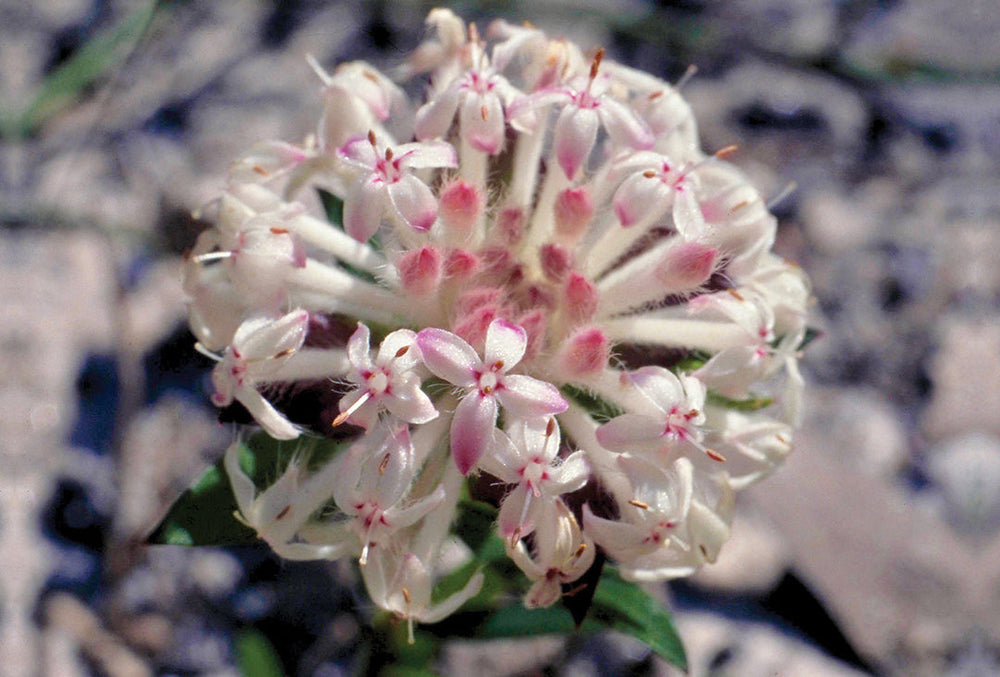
pixel 364 208
pixel 623 431
pixel 414 202
pixel 506 343
pixel 423 154
pixel 528 397
pixel 269 418
pixel 661 387
pixel 449 357
pixel 482 122
pixel 357 349
pixel 641 200
pixel 624 126
pixel 574 138
pixel 435 117
pixel 391 351
pixel 411 404
pixel 472 429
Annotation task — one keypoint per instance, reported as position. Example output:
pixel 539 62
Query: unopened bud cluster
pixel 540 282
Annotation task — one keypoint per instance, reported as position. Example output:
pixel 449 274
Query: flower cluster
pixel 539 282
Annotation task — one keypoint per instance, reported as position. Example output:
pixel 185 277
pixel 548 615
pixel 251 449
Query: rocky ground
pixel 874 551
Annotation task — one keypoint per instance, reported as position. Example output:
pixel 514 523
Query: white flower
pixel 385 184
pixel 560 554
pixel 543 233
pixel 258 350
pixel 402 585
pixel 527 457
pixel 488 385
pixel 674 412
pixel 373 480
pixel 279 512
pixel 387 382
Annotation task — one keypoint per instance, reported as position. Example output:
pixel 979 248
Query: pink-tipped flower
pixel 487 385
pixel 385 184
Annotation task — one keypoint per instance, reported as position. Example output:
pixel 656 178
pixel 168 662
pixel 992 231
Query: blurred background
pixel 874 551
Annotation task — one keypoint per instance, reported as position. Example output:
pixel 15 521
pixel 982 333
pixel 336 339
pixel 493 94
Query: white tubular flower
pixel 388 382
pixel 279 512
pixel 372 485
pixel 546 249
pixel 402 585
pixel 527 457
pixel 560 554
pixel 259 349
pixel 487 384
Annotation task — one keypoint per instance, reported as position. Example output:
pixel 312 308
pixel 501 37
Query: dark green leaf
pixel 625 607
pixel 256 656
pixel 333 206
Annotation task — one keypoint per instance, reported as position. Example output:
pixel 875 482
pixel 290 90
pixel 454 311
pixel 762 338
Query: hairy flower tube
pixel 533 280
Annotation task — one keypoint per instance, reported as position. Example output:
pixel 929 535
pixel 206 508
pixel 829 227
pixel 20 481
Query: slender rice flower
pixel 537 275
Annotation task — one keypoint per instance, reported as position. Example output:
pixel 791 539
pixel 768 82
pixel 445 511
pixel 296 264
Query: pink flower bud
pixel 573 211
pixel 420 270
pixel 586 351
pixel 687 266
pixel 510 223
pixel 460 264
pixel 460 206
pixel 534 324
pixel 556 261
pixel 580 298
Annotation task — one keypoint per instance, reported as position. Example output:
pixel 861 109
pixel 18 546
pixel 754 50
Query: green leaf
pixel 333 206
pixel 205 514
pixel 597 407
pixel 625 607
pixel 89 63
pixel 752 403
pixel 256 657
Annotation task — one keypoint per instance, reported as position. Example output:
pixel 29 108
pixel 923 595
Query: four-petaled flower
pixel 487 385
pixel 385 184
pixel 389 381
pixel 527 456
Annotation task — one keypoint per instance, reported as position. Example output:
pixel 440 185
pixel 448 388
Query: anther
pixel 550 427
pixel 579 551
pixel 656 95
pixel 402 351
pixel 388 154
pixel 639 504
pixel 649 173
pixel 715 456
pixel 382 466
pixel 371 137
pixel 498 365
pixel 260 170
pixel 726 151
pixel 284 512
pixel 371 76
pixel 284 353
pixel 406 594
pixel 736 295
pixel 596 63
pixel 484 112
pixel 279 231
